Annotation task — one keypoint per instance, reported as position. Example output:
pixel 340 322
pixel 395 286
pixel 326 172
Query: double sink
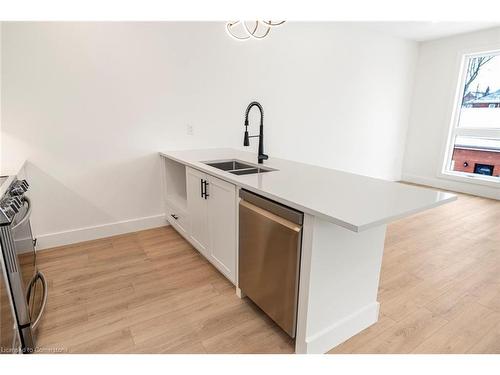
pixel 238 167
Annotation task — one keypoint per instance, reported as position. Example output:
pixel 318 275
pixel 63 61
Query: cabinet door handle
pixel 175 216
pixel 206 184
pixel 201 187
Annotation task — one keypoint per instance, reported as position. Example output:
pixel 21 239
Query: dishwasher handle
pixel 269 215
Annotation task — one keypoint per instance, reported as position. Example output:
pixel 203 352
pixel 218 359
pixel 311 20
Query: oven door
pixel 34 282
pixel 23 241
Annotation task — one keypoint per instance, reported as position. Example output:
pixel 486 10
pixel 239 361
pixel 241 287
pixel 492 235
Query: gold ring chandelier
pixel 244 30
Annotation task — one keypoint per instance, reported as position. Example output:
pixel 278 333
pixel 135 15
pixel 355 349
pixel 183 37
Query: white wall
pixel 0 97
pixel 433 100
pixel 90 104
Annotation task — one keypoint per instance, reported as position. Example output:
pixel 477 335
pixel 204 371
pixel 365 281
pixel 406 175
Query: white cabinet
pixel 211 204
pixel 222 226
pixel 197 208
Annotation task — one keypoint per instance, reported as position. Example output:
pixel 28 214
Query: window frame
pixel 454 130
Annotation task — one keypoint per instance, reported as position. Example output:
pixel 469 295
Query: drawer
pixel 178 219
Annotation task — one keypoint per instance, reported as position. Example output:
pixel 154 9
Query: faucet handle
pixel 263 157
pixel 246 140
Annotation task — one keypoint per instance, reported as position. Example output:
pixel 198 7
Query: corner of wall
pixel 411 110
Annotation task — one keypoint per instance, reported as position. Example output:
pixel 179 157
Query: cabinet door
pixel 222 226
pixel 197 207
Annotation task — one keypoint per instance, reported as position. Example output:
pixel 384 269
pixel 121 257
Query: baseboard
pixel 461 187
pixel 50 240
pixel 343 330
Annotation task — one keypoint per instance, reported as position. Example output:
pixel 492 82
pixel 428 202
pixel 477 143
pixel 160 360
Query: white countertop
pixel 12 168
pixel 352 201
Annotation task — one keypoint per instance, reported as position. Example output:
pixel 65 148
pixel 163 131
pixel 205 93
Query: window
pixel 473 149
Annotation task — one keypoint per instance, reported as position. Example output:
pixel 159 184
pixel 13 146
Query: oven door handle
pixel 26 215
pixel 41 276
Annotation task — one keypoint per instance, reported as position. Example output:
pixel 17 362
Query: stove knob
pixel 17 190
pixel 9 207
pixel 23 186
pixel 14 207
pixel 12 204
pixel 8 212
pixel 18 202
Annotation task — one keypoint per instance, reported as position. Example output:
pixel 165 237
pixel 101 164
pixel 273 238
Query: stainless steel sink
pixel 229 165
pixel 238 167
pixel 250 171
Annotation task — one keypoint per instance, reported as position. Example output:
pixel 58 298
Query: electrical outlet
pixel 189 129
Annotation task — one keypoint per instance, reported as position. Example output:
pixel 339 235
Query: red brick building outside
pixel 466 159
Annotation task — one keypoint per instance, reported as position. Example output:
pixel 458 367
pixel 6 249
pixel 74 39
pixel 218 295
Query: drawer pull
pixel 175 216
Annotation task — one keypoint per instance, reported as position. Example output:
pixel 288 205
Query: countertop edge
pixel 389 219
pixel 13 170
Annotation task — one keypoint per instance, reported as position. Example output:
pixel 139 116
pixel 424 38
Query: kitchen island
pixel 345 218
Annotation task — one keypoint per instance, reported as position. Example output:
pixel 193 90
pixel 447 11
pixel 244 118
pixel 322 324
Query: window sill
pixel 471 178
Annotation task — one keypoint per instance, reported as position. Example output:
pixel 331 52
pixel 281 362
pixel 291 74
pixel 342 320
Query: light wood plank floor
pixel 151 292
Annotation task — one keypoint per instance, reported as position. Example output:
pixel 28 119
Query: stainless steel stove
pixel 23 287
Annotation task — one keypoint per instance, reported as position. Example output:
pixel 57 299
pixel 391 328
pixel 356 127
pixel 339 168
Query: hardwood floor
pixel 147 292
pixel 440 283
pixel 151 292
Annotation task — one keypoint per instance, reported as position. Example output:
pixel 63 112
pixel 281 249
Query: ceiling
pixel 424 31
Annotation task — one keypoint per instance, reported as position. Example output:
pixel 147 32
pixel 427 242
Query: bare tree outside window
pixel 473 68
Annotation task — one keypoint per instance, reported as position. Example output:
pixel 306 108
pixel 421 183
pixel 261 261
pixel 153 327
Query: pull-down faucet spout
pixel 246 138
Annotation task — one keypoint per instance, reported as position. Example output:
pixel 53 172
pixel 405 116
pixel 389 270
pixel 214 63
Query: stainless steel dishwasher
pixel 270 237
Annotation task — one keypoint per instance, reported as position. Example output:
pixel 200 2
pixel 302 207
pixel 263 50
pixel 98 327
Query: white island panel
pixel 339 280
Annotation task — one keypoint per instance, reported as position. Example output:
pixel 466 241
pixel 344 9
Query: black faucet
pixel 246 139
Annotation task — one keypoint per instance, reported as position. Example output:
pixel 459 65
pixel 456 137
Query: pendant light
pixel 244 30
